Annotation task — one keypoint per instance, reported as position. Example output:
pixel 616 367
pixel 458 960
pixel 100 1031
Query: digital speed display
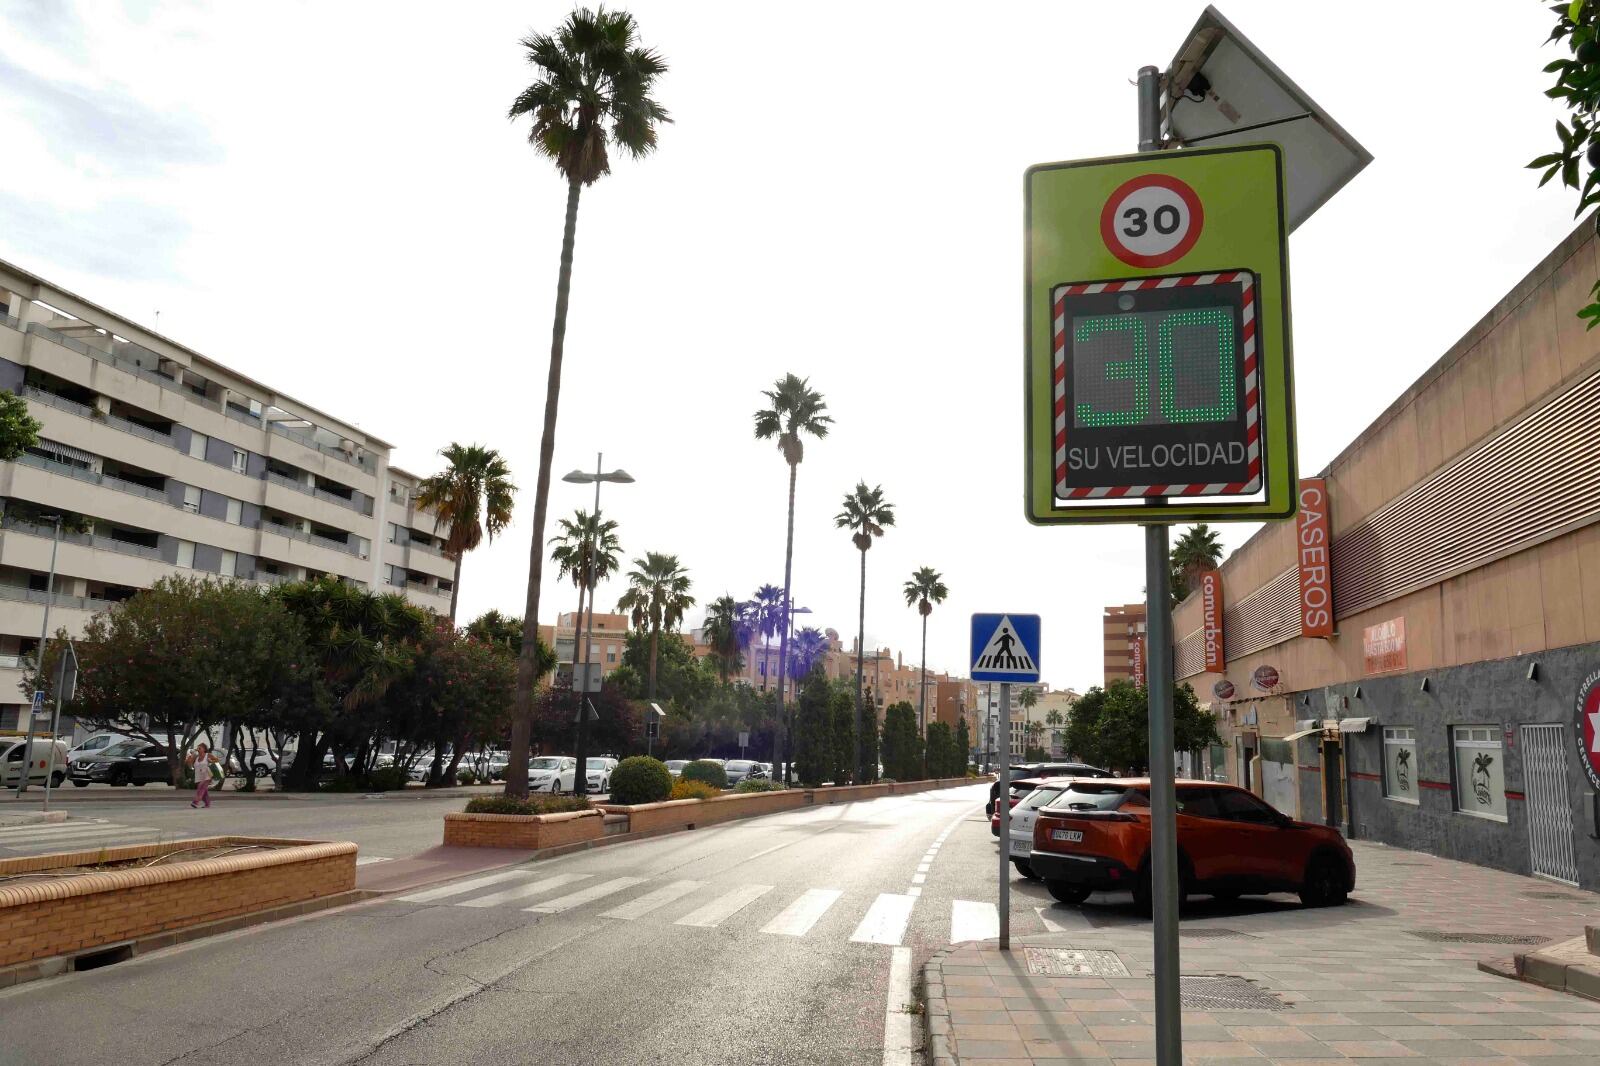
pixel 1156 387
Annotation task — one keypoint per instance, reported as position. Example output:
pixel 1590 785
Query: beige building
pixel 610 640
pixel 1123 624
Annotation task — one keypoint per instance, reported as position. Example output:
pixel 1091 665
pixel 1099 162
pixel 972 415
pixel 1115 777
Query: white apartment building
pixel 163 462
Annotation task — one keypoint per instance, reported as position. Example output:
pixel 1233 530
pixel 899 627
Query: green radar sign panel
pixel 1158 364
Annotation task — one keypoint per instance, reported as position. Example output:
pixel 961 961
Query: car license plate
pixel 1071 836
pixel 1021 847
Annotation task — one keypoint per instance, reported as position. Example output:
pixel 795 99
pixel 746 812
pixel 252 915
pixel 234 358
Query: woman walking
pixel 205 765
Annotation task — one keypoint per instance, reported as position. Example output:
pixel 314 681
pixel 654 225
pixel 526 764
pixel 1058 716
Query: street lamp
pixel 786 720
pixel 580 780
pixel 37 704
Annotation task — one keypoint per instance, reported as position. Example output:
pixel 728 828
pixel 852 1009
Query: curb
pixel 938 1046
pixel 170 794
pixel 31 818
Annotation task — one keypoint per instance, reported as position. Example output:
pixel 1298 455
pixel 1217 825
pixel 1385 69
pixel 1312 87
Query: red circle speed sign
pixel 1152 220
pixel 1586 727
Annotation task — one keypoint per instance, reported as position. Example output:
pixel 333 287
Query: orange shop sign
pixel 1312 542
pixel 1211 624
pixel 1136 660
pixel 1383 646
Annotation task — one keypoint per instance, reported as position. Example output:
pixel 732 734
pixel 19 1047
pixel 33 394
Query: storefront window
pixel 1480 771
pixel 1400 764
pixel 1219 762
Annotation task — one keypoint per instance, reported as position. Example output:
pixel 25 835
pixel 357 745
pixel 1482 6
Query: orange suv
pixel 1095 836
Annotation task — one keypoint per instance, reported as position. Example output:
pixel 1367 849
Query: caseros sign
pixel 1312 542
pixel 1586 727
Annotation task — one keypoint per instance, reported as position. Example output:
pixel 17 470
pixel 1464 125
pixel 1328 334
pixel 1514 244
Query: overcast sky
pixel 328 197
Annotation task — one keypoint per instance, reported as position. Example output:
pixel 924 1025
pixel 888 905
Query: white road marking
pixel 919 879
pixel 463 886
pixel 19 837
pixel 1050 926
pixel 973 921
pixel 368 860
pixel 586 895
pixel 798 917
pixel 521 892
pixel 885 922
pixel 897 1042
pixel 718 910
pixel 653 901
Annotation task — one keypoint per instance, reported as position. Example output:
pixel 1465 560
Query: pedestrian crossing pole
pixel 1002 804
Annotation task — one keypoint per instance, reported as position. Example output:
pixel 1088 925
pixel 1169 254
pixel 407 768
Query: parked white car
pixel 1023 816
pixel 599 775
pixel 48 759
pixel 95 744
pixel 552 773
pixel 675 766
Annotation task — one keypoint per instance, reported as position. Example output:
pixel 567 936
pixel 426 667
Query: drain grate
pixel 1440 936
pixel 1217 934
pixel 1074 962
pixel 1222 992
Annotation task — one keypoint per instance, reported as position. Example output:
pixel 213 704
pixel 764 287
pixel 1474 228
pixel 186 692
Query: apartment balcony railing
pixel 19 594
pixel 88 540
pixel 241 416
pixel 310 538
pixel 364 462
pixel 9 322
pixel 116 422
pixel 431 549
pixel 15 662
pixel 321 494
pixel 92 352
pixel 110 481
pixel 432 590
pixel 263 577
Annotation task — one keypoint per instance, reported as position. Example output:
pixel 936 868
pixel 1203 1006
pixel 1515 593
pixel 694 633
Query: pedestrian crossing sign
pixel 1005 647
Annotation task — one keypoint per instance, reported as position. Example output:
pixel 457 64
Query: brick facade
pixel 522 830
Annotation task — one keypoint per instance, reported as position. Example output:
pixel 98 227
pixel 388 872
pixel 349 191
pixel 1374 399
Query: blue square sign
pixel 1005 647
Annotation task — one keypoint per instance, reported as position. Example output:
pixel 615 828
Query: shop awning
pixel 1303 733
pixel 1354 725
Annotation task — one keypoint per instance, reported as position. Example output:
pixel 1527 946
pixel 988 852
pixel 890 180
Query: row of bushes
pixel 531 805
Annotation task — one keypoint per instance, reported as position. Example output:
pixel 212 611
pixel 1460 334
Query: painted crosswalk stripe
pixel 522 892
pixel 973 921
pixel 78 841
pixel 886 920
pixel 43 835
pixel 653 900
pixel 368 860
pixel 719 910
pixel 1052 926
pixel 464 886
pixel 586 895
pixel 798 917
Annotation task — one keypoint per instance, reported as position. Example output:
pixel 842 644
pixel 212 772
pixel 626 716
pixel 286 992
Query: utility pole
pixel 37 703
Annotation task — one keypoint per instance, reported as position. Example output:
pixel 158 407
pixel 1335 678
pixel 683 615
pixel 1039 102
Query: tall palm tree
pixel 763 617
pixel 865 514
pixel 925 589
pixel 586 551
pixel 793 409
pixel 1028 697
pixel 473 494
pixel 1196 551
pixel 657 597
pixel 592 91
pixel 809 647
pixel 722 631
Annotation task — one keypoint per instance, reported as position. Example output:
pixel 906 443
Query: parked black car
pixel 132 762
pixel 1044 769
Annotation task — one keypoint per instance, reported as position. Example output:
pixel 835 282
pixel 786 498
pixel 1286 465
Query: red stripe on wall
pixel 1312 769
pixel 1360 776
pixel 1443 786
pixel 1514 795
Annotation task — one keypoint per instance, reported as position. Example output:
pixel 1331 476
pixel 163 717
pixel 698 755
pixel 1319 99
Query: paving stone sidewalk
pixel 1371 982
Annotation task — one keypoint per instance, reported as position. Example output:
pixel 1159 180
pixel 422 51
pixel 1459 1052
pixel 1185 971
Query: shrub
pixel 705 770
pixel 640 779
pixel 386 779
pixel 756 784
pixel 466 777
pixel 685 789
pixel 341 784
pixel 531 805
pixel 886 781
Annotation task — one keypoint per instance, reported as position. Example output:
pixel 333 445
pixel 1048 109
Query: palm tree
pixel 593 90
pixel 925 589
pixel 763 617
pixel 1028 697
pixel 473 494
pixel 722 629
pixel 1035 732
pixel 810 645
pixel 586 551
pixel 1197 551
pixel 1054 720
pixel 793 408
pixel 657 597
pixel 865 514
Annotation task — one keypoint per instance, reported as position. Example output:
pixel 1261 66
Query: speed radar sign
pixel 1158 364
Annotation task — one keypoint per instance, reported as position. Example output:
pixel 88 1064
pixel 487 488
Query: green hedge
pixel 705 770
pixel 640 779
pixel 756 784
pixel 532 805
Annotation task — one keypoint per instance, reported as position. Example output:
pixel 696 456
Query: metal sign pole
pixel 1158 672
pixel 1003 804
pixel 38 684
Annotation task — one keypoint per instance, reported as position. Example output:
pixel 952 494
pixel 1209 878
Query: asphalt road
pixel 786 939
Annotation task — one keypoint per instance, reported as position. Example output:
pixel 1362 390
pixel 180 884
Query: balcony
pixel 431 590
pixel 72 407
pixel 321 494
pixel 88 540
pixel 310 538
pixel 365 462
pixel 109 481
pixel 18 594
pixel 127 365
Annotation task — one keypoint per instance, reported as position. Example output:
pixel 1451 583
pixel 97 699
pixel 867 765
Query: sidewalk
pixel 1372 981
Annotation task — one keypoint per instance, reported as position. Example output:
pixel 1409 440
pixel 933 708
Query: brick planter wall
pixel 522 830
pixel 69 915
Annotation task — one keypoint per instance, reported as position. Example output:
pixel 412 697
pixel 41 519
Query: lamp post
pixel 580 778
pixel 37 704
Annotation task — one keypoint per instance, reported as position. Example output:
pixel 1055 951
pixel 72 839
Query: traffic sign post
pixel 1005 648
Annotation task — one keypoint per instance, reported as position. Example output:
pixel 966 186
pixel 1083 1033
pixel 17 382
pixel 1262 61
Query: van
pixel 48 759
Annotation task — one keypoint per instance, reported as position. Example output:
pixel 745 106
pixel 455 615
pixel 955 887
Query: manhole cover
pixel 1074 962
pixel 1225 993
pixel 1217 934
pixel 1439 936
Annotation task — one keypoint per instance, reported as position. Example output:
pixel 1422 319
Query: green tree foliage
pixel 492 627
pixel 925 588
pixel 457 694
pixel 866 514
pixel 842 749
pixel 963 748
pixel 1195 552
pixel 707 771
pixel 472 495
pixel 682 681
pixel 813 729
pixel 902 745
pixel 19 430
pixel 657 597
pixel 1577 83
pixel 619 728
pixel 943 759
pixel 1109 727
pixel 723 633
pixel 640 779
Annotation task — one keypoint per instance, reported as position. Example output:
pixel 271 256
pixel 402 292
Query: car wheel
pixel 57 778
pixel 1226 896
pixel 262 772
pixel 117 778
pixel 80 784
pixel 1144 894
pixel 1067 891
pixel 1025 868
pixel 1324 883
pixel 138 784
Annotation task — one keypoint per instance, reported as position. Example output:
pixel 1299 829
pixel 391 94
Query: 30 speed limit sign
pixel 1151 220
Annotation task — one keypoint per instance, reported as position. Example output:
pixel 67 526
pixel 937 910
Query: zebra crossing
pixel 77 834
pixel 702 905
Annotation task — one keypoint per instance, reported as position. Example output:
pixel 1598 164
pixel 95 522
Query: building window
pixel 197 445
pixel 1400 766
pixel 186 553
pixel 230 564
pixel 611 653
pixel 235 512
pixel 191 499
pixel 1480 767
pixel 241 461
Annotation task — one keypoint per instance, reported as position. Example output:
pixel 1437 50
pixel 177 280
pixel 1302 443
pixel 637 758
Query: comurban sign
pixel 1136 660
pixel 1158 363
pixel 1313 542
pixel 1586 727
pixel 1211 624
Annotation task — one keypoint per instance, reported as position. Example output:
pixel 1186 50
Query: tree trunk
pixel 527 679
pixel 861 658
pixel 654 633
pixel 455 591
pixel 785 730
pixel 922 698
pixel 580 745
